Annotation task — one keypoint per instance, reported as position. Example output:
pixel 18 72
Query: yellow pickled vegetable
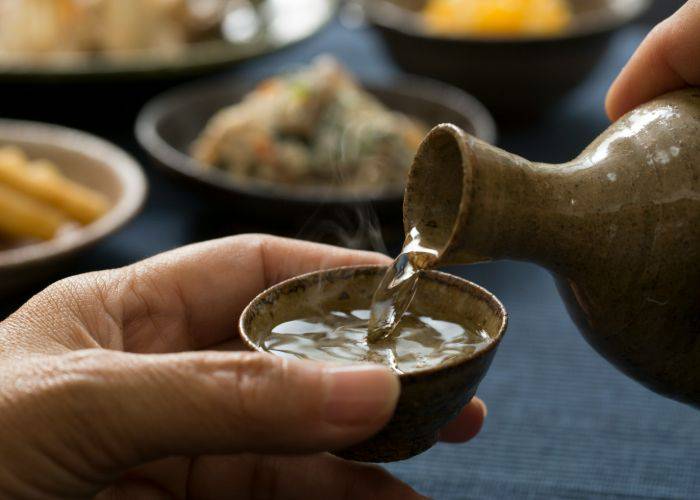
pixel 41 180
pixel 36 200
pixel 498 17
pixel 24 217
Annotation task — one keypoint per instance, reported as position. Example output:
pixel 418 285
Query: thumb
pixel 150 406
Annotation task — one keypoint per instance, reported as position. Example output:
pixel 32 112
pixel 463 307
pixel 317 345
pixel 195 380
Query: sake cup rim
pixel 445 279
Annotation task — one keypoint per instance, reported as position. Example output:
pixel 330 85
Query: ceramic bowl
pixel 168 125
pixel 516 78
pixel 83 158
pixel 430 397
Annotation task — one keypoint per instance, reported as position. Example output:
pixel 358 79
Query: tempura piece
pixel 42 181
pixel 23 217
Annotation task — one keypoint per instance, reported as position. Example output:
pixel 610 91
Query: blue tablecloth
pixel 562 423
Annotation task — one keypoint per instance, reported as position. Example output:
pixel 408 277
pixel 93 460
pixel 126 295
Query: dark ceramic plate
pixel 169 124
pixel 278 24
pixel 515 77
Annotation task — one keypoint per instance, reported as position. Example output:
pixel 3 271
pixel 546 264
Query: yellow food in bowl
pixel 498 17
pixel 36 200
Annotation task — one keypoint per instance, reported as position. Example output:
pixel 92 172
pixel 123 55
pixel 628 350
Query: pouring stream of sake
pixel 398 287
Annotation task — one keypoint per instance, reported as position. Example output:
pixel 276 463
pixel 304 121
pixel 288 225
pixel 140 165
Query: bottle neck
pixel 508 198
pixel 477 202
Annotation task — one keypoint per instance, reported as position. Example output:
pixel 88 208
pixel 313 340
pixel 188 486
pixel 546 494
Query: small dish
pixel 88 160
pixel 168 125
pixel 430 397
pixel 516 77
pixel 278 24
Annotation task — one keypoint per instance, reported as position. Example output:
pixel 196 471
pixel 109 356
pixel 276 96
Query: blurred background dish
pixel 77 190
pixel 518 67
pixel 146 39
pixel 312 127
pixel 169 126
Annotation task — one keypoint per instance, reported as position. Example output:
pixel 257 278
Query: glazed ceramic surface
pixel 430 397
pixel 618 226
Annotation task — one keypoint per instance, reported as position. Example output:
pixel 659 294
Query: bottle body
pixel 619 226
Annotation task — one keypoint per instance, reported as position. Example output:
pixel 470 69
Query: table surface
pixel 562 423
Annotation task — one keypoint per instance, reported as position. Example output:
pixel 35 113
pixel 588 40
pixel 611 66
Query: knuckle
pixel 256 380
pixel 661 38
pixel 137 285
pixel 72 375
pixel 253 243
pixel 256 238
pixel 253 364
pixel 147 298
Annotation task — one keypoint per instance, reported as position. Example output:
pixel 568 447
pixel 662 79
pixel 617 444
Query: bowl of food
pixel 62 40
pixel 518 56
pixel 311 137
pixel 61 191
pixel 441 348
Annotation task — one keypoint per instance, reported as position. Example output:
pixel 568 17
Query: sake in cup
pixel 431 395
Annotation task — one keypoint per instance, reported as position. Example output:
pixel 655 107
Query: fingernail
pixel 360 394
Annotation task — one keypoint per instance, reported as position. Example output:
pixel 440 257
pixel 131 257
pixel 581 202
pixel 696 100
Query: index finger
pixel 196 293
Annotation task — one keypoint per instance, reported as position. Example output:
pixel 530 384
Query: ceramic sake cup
pixel 430 397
